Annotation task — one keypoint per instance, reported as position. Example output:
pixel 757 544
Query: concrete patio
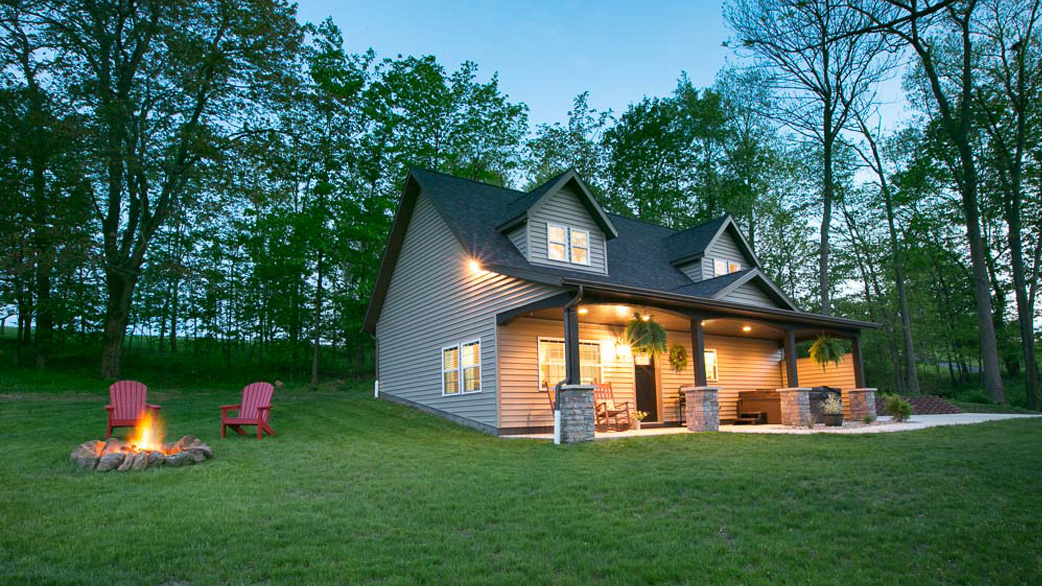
pixel 883 425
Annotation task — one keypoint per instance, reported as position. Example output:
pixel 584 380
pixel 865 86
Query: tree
pixel 817 71
pixel 940 34
pixel 163 86
pixel 579 143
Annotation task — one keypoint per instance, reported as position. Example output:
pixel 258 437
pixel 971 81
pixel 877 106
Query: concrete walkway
pixel 883 425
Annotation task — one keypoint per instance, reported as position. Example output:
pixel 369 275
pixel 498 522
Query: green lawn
pixel 360 491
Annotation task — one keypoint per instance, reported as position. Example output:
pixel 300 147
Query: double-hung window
pixel 552 362
pixel 461 368
pixel 567 244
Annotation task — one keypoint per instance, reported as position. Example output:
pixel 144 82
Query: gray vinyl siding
pixel 433 301
pixel 723 247
pixel 519 236
pixel 693 270
pixel 751 295
pixel 564 208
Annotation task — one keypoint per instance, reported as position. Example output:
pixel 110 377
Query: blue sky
pixel 546 52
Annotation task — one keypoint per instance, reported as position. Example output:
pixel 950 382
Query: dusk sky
pixel 546 52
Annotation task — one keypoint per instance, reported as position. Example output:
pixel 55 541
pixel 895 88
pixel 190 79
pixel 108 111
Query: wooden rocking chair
pixel 253 410
pixel 607 409
pixel 128 399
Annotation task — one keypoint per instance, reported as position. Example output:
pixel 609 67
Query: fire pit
pixel 143 449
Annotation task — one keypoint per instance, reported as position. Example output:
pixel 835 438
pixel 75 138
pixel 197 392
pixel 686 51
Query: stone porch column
pixel 795 406
pixel 862 403
pixel 573 419
pixel 703 408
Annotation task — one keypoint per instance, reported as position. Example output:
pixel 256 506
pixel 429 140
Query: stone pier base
pixel 795 406
pixel 862 403
pixel 574 417
pixel 703 408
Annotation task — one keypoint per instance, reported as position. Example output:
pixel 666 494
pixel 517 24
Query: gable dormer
pixel 560 224
pixel 713 249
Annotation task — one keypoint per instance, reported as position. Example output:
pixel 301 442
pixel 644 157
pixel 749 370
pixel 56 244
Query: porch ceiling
pixel 620 314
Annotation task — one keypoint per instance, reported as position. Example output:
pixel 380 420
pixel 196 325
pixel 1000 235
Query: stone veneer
pixel 862 403
pixel 795 406
pixel 702 408
pixel 574 418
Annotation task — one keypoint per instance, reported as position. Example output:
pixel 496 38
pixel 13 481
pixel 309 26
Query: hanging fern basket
pixel 644 334
pixel 826 349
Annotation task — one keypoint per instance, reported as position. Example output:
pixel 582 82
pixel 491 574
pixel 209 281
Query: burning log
pixel 121 456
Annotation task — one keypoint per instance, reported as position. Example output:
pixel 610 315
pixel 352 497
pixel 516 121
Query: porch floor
pixel 883 425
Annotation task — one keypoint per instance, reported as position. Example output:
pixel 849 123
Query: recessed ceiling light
pixel 747 328
pixel 583 311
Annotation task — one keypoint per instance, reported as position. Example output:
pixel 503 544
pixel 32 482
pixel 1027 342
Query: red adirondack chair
pixel 254 410
pixel 127 401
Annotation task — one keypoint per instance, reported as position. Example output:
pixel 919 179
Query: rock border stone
pixel 118 455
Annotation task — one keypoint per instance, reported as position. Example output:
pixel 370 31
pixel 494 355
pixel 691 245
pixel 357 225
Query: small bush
pixel 898 408
pixel 977 397
pixel 869 419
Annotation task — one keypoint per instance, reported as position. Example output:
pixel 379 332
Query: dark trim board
pixel 531 430
pixel 483 428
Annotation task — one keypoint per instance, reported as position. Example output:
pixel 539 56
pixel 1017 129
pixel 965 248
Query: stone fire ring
pixel 115 454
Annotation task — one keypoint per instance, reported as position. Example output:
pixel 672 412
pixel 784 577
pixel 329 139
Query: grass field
pixel 358 491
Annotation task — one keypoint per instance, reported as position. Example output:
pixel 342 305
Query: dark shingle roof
pixel 711 287
pixel 693 241
pixel 640 257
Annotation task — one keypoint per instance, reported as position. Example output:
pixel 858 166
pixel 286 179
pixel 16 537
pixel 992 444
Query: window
pixel 557 242
pixel 568 244
pixel 552 362
pixel 723 267
pixel 580 241
pixel 712 366
pixel 461 368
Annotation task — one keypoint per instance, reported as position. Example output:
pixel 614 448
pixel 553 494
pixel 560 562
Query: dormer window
pixel 723 267
pixel 567 244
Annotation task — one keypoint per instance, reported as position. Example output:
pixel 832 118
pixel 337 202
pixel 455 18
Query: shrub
pixel 898 408
pixel 869 419
pixel 977 397
pixel 832 405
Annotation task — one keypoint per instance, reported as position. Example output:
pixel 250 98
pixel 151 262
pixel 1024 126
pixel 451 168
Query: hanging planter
pixel 826 349
pixel 644 334
pixel 678 358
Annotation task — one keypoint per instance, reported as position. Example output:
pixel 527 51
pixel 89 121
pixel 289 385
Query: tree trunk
pixel 120 288
pixel 826 218
pixel 318 315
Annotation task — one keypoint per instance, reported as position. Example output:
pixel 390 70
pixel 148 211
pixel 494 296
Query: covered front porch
pixel 733 351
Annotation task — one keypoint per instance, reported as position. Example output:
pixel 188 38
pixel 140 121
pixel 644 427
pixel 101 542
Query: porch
pixel 739 351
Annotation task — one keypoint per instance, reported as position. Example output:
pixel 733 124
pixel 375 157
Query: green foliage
pixel 826 349
pixel 899 409
pixel 678 358
pixel 644 334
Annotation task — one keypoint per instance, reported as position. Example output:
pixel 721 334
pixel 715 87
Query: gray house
pixel 484 292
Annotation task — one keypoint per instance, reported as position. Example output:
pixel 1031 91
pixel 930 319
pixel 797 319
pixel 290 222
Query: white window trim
pixel 539 357
pixel 459 368
pixel 716 365
pixel 569 256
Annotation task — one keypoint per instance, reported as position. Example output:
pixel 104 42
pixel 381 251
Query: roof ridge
pixel 458 178
pixel 706 223
pixel 647 222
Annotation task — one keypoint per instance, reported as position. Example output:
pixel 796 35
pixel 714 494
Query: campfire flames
pixel 148 435
pixel 144 448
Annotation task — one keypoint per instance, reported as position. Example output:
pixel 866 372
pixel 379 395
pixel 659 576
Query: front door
pixel 647 397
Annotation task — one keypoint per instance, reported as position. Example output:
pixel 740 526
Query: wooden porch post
pixel 859 365
pixel 698 349
pixel 571 345
pixel 792 376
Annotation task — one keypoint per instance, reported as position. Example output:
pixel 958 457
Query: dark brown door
pixel 647 398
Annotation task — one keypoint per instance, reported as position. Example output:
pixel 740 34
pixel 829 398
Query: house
pixel 483 292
